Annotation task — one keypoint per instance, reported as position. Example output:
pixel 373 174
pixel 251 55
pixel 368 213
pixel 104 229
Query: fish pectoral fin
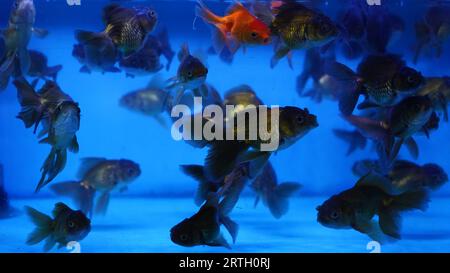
pixel 222 157
pixel 85 69
pixel 256 160
pixel 49 243
pixel 102 203
pixel 390 223
pixel 24 61
pixel 219 241
pixel 372 229
pixel 366 104
pixel 74 146
pixel 280 52
pixel 39 32
pixel 412 147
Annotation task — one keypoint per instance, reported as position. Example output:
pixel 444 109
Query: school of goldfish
pixel 400 103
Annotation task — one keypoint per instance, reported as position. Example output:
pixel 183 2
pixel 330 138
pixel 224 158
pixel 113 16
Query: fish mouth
pixel 313 121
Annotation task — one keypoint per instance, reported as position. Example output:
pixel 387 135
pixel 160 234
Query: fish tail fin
pixel 53 165
pixel 302 79
pixel 389 217
pixel 53 71
pixel 82 196
pixel 219 32
pixel 278 200
pixel 31 111
pixel 102 203
pixel 204 185
pixel 84 37
pixel 202 11
pixel 43 225
pixel 354 139
pixel 351 88
pixel 387 148
pixel 231 226
pixel 163 37
pixel 7 67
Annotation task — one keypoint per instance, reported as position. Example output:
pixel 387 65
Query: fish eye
pixel 334 215
pixel 152 13
pixel 71 224
pixel 183 237
pixel 300 119
pixel 189 74
pixel 411 79
pixel 324 28
pixel 130 171
pixel 417 107
pixel 254 34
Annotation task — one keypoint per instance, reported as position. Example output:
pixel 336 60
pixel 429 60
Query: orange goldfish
pixel 238 27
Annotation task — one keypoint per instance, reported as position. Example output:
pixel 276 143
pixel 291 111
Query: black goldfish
pixel 191 74
pixel 95 51
pixel 355 208
pixel 203 228
pixel 6 210
pixel 406 176
pixel 383 79
pixel 66 226
pixel 128 27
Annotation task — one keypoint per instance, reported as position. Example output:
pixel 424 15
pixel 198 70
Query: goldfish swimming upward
pixel 238 27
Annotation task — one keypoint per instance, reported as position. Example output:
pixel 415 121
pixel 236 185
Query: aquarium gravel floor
pixel 143 224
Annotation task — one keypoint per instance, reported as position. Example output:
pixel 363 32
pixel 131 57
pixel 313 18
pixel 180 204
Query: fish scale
pixel 132 35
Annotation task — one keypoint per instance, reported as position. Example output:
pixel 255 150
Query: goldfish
pixel 298 27
pixel 324 85
pixel 39 67
pixel 95 51
pixel 6 210
pixel 239 27
pixel 241 97
pixel 146 60
pixel 223 155
pixel 383 79
pixel 98 175
pixel 60 117
pixel 128 27
pixel 354 138
pixel 191 74
pixel 67 225
pixel 16 38
pixel 406 176
pixel 404 120
pixel 151 101
pixel 356 208
pixel 433 30
pixel 203 228
pixel 275 196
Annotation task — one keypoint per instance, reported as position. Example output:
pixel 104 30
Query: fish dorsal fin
pixel 51 92
pixel 235 7
pixel 157 82
pixel 184 52
pixel 60 208
pixel 373 179
pixel 87 164
pixel 201 55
